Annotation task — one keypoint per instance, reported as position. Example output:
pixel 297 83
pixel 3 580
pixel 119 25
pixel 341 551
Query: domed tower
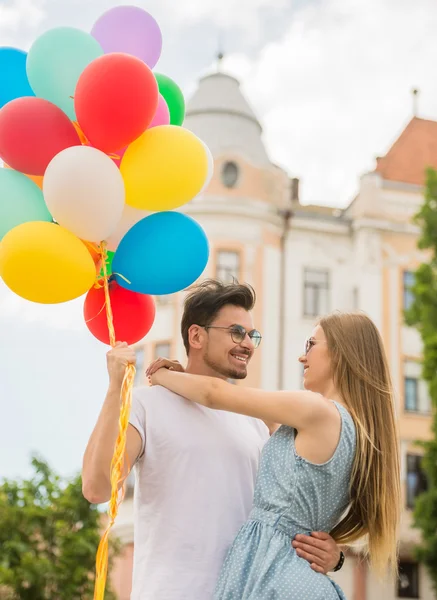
pixel 220 115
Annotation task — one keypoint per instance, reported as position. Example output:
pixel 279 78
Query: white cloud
pixel 246 15
pixel 19 14
pixel 336 90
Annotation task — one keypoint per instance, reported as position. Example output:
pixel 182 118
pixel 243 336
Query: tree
pixel 423 315
pixel 49 536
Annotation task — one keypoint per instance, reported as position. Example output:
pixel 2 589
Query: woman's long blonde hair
pixel 362 379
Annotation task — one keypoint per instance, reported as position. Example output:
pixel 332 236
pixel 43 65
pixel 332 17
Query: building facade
pixel 305 261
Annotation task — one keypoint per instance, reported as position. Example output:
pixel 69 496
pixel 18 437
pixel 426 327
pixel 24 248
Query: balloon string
pixel 95 316
pixel 83 138
pixel 118 458
pixel 100 280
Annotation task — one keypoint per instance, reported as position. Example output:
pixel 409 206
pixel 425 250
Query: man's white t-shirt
pixel 194 489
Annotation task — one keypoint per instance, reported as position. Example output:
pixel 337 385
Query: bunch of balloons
pixel 96 162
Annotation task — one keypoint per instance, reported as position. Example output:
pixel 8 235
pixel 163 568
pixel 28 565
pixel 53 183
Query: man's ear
pixel 196 337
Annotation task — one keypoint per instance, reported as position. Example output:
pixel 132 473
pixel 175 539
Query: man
pixel 195 468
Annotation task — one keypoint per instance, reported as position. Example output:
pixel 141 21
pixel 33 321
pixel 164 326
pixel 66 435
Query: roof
pixel 413 152
pixel 220 115
pixel 220 93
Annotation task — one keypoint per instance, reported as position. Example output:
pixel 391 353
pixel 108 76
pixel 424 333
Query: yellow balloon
pixel 164 168
pixel 45 263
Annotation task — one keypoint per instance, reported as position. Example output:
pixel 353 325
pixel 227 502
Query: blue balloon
pixel 161 254
pixel 13 76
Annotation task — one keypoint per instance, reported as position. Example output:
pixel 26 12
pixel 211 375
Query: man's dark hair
pixel 206 299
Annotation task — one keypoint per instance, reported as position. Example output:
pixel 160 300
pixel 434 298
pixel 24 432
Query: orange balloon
pixel 95 254
pixel 38 179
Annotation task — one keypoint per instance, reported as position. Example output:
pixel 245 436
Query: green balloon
pixel 110 257
pixel 55 62
pixel 172 94
pixel 21 201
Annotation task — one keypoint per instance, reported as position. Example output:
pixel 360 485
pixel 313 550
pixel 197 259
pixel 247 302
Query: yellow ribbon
pixel 118 458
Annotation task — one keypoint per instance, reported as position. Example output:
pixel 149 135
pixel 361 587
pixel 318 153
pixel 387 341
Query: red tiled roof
pixel 411 154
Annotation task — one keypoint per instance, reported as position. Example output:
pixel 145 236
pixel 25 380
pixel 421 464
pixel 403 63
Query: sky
pixel 330 81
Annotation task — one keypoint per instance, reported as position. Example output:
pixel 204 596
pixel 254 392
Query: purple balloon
pixel 131 30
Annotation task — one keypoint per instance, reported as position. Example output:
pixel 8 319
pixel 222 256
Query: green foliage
pixel 423 316
pixel 49 536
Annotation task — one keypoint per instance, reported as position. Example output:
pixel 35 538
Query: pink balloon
pixel 162 115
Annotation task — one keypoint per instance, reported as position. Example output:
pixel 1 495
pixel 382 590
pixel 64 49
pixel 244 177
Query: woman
pixel 332 465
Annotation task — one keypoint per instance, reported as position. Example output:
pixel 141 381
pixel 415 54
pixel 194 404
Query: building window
pixel 408 581
pixel 416 479
pixel 316 292
pixel 408 294
pixel 139 375
pixel 162 350
pixel 416 395
pixel 411 389
pixel 230 173
pixel 228 266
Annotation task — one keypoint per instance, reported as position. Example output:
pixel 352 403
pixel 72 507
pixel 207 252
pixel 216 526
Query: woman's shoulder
pixel 348 430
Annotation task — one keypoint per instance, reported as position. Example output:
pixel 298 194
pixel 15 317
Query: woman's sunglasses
pixel 310 342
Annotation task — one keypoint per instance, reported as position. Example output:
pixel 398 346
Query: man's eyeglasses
pixel 238 334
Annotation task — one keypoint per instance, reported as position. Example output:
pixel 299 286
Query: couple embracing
pixel 245 494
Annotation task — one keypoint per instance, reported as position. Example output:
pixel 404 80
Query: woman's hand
pixel 160 364
pixel 158 377
pixel 164 363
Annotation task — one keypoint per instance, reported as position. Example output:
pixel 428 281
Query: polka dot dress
pixel 292 496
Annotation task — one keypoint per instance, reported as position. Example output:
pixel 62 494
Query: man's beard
pixel 229 372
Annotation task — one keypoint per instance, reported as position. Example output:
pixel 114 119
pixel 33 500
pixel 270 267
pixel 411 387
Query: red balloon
pixel 133 314
pixel 32 132
pixel 115 100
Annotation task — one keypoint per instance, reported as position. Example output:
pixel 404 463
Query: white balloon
pixel 84 191
pixel 128 219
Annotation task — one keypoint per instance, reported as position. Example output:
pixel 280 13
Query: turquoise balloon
pixel 13 78
pixel 21 201
pixel 55 62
